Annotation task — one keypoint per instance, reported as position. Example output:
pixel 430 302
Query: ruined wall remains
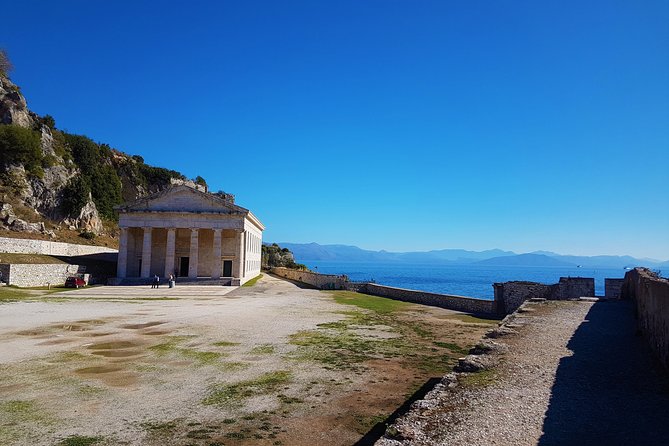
pixel 450 302
pixel 651 296
pixel 320 281
pixel 37 274
pixel 27 246
pixel 612 288
pixel 575 287
pixel 511 295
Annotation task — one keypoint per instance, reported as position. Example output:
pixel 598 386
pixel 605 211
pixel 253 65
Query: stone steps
pixel 181 281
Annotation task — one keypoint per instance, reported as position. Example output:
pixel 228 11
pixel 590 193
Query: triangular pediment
pixel 182 199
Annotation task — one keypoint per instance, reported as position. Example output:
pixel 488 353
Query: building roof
pixel 195 201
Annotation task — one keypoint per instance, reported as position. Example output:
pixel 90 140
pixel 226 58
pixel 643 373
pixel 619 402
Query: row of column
pixel 170 254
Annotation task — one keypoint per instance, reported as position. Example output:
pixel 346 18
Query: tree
pixel 5 64
pixel 19 145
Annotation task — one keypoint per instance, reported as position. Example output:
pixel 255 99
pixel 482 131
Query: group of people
pixel 156 281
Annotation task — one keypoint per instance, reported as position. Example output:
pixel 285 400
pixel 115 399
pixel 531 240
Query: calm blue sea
pixel 462 280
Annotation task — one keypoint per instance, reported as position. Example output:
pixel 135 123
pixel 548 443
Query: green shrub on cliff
pixel 19 145
pixel 275 256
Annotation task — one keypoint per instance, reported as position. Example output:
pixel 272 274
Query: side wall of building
pixel 650 293
pixel 27 246
pixel 252 251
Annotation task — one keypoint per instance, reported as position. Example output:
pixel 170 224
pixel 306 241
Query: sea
pixel 462 280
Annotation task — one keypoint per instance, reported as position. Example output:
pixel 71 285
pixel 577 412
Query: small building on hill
pixel 188 233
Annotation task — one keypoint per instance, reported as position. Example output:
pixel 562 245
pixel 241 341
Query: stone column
pixel 146 253
pixel 216 264
pixel 238 264
pixel 193 256
pixel 122 265
pixel 169 251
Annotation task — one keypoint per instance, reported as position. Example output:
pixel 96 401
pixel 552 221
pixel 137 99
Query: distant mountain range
pixel 305 252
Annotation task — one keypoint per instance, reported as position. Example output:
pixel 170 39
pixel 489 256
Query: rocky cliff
pixel 53 182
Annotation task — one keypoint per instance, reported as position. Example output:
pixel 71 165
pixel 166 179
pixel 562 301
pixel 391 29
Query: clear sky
pixel 398 125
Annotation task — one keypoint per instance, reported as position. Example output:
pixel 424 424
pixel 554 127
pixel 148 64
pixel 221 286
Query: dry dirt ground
pixel 269 364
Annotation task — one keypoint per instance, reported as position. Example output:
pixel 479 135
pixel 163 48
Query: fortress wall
pixel 450 302
pixel 334 282
pixel 651 295
pixel 27 246
pixel 511 295
pixel 320 281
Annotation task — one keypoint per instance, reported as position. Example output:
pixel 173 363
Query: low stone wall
pixel 451 302
pixel 334 282
pixel 511 295
pixel 320 281
pixel 38 274
pixel 26 246
pixel 651 295
pixel 612 288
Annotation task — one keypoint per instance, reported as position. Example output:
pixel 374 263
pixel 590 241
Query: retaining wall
pixel 651 295
pixel 38 274
pixel 27 246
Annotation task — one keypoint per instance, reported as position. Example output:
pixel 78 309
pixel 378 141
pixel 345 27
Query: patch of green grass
pixel 455 348
pixel 160 426
pixel 468 318
pixel 29 258
pixel 234 394
pixel 172 347
pixel 253 281
pixel 79 440
pixel 224 344
pixel 479 379
pixel 264 349
pixel 365 422
pixel 374 303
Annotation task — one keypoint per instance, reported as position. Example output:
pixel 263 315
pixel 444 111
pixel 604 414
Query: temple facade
pixel 185 232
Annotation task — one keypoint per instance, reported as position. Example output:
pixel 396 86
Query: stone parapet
pixel 650 293
pixel 450 302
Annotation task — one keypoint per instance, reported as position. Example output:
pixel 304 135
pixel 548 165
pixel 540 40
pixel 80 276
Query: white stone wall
pixel 32 275
pixel 26 246
pixel 252 251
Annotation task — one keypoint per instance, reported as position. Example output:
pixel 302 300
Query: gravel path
pixel 575 373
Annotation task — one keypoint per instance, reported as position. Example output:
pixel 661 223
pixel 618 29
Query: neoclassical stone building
pixel 189 233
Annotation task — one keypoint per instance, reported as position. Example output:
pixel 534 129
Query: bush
pixel 5 65
pixel 87 235
pixel 75 195
pixel 19 145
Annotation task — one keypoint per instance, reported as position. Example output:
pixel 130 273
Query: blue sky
pixel 398 125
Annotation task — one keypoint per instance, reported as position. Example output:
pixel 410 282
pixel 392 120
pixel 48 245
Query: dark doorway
pixel 227 268
pixel 139 271
pixel 183 266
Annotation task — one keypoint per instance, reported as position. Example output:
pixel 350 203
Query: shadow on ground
pixel 611 391
pixel 377 431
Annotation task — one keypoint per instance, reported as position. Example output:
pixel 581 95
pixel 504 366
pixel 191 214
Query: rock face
pixel 43 187
pixel 13 106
